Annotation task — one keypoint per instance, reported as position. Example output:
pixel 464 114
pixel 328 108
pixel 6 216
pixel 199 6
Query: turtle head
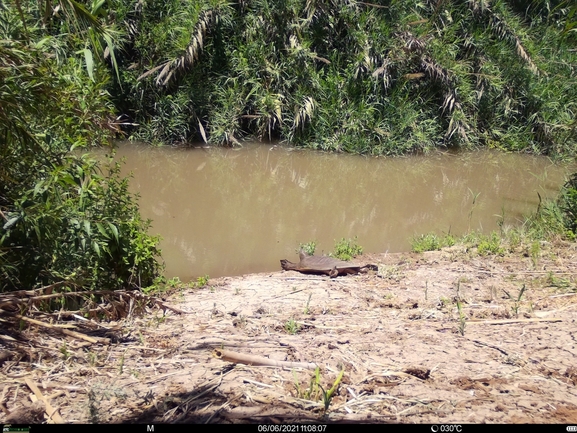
pixel 287 266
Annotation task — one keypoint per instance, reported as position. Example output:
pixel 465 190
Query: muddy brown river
pixel 235 211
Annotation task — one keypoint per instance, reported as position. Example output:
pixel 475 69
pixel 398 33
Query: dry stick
pixel 39 323
pixel 254 382
pixel 225 405
pixel 286 294
pixel 507 321
pixel 58 328
pixel 173 309
pixel 241 358
pixel 50 411
pixel 490 345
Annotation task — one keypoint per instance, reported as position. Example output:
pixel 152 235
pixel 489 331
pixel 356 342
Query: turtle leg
pixel 334 272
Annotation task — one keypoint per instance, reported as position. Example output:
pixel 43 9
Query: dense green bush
pixel 64 219
pixel 79 226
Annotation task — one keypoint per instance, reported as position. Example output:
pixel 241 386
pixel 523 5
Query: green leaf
pixel 114 230
pixel 11 222
pixel 102 231
pixel 96 248
pixel 39 186
pixel 96 6
pixel 68 179
pixel 89 63
pixel 87 229
pixel 110 48
pixel 202 132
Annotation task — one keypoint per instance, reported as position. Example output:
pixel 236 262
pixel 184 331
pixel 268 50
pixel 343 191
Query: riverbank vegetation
pixel 68 223
pixel 376 78
pixel 552 220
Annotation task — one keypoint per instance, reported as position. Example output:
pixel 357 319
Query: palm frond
pixel 499 26
pixel 169 68
pixel 305 113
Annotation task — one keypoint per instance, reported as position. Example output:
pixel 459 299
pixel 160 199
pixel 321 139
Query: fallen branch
pixel 241 358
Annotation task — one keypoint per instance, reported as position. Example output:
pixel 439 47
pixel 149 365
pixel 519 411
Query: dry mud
pixel 408 354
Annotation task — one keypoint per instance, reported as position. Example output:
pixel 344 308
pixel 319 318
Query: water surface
pixel 235 211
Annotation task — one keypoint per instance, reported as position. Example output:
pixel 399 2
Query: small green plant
pixel 346 249
pixel 291 327
pixel 328 395
pixel 462 322
pixel 315 391
pixel 431 242
pixel 92 358
pixel 307 310
pixel 312 393
pixel 516 301
pixel 535 252
pixel 560 283
pixel 173 282
pixel 514 238
pixel 308 248
pixel 201 281
pixel 444 301
pixel 162 285
pixel 64 351
pixel 490 245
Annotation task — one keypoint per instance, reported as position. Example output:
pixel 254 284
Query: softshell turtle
pixel 323 265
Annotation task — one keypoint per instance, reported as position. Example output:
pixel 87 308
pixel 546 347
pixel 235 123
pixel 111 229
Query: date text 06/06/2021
pixel 292 428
